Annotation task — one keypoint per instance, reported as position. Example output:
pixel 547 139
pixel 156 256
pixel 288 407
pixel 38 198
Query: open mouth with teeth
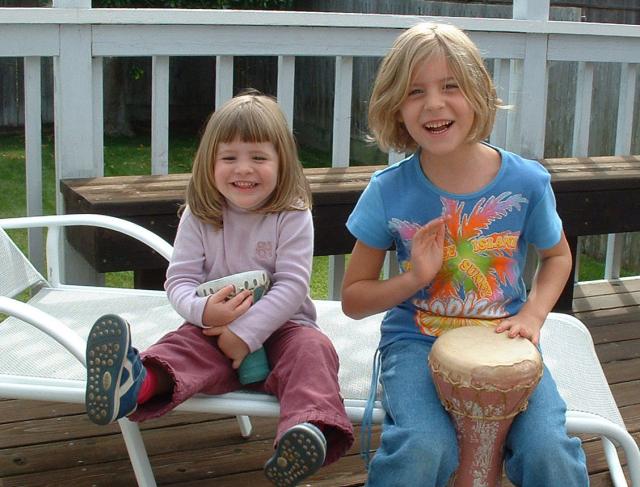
pixel 244 184
pixel 438 127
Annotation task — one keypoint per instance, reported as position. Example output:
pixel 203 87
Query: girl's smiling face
pixel 435 112
pixel 246 173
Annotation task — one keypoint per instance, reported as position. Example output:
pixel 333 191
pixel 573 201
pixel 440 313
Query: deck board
pixel 48 443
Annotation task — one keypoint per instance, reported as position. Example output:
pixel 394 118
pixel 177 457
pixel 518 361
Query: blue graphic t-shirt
pixel 487 233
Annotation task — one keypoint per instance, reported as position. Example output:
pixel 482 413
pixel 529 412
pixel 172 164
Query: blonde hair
pixel 249 117
pixel 412 47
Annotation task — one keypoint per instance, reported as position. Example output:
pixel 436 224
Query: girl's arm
pixel 187 270
pixel 551 276
pixel 288 296
pixel 364 294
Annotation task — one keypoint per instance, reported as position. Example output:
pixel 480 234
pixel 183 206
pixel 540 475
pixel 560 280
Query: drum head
pixel 478 357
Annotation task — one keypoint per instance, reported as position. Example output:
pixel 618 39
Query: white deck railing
pixel 78 37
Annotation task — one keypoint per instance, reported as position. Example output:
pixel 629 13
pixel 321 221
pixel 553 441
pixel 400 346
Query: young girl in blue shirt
pixel 461 214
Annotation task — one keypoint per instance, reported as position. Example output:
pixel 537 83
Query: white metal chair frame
pixel 566 344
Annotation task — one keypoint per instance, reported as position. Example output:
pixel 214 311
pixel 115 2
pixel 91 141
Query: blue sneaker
pixel 300 453
pixel 114 371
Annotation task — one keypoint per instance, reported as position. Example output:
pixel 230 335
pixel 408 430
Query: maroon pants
pixel 304 378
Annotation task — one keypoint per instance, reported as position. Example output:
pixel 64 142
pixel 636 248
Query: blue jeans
pixel 419 447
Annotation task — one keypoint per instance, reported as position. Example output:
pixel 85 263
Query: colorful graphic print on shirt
pixel 478 263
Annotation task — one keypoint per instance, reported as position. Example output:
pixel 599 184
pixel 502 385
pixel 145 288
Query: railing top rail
pixel 301 19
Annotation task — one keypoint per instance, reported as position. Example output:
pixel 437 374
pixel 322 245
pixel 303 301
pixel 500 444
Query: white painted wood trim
pixel 604 49
pixel 394 157
pixel 286 83
pixel 33 156
pixel 98 116
pixel 582 116
pixel 310 19
pixel 198 40
pixel 390 267
pixel 613 259
pixel 514 114
pixel 390 264
pixel 33 134
pixel 74 129
pixel 160 115
pixel 71 3
pixel 20 40
pixel 624 130
pixel 531 9
pixel 576 272
pixel 342 111
pixel 624 127
pixel 73 87
pixel 224 79
pixel 534 104
pixel 261 40
pixel 337 267
pixel 501 68
pixel 340 151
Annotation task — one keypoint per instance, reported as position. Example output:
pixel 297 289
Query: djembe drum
pixel 483 379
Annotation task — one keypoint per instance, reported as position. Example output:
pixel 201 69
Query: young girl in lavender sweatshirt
pixel 247 207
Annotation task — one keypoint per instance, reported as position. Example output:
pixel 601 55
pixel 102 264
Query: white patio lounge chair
pixel 45 361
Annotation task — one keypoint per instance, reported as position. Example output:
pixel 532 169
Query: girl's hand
pixel 220 311
pixel 523 325
pixel 427 251
pixel 230 344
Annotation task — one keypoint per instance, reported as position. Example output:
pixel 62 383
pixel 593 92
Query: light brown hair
pixel 249 117
pixel 414 46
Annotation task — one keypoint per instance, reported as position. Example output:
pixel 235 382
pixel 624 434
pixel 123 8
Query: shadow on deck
pixel 55 444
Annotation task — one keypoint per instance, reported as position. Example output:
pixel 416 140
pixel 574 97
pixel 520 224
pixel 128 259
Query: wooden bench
pixel 595 195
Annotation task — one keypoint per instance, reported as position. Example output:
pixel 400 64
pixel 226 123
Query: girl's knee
pixel 316 344
pixel 432 458
pixel 548 451
pixel 435 449
pixel 561 461
pixel 316 339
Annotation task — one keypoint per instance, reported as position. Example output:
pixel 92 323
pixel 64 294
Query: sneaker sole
pixel 107 346
pixel 300 453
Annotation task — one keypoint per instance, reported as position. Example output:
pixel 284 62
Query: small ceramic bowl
pixel 257 282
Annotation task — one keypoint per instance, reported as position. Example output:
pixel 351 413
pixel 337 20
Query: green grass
pixel 592 269
pixel 132 155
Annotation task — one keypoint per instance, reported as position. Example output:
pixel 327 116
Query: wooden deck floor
pixel 54 444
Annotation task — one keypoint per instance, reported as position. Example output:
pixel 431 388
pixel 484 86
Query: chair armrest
pixel 55 222
pixel 134 230
pixel 48 324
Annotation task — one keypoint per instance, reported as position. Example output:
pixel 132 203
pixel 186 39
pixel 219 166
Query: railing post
pixel 286 77
pixel 390 268
pixel 501 69
pixel 224 79
pixel 98 115
pixel 628 74
pixel 582 118
pixel 341 151
pixel 533 106
pixel 581 124
pixel 160 115
pixel 74 123
pixel 33 155
pixel 73 81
